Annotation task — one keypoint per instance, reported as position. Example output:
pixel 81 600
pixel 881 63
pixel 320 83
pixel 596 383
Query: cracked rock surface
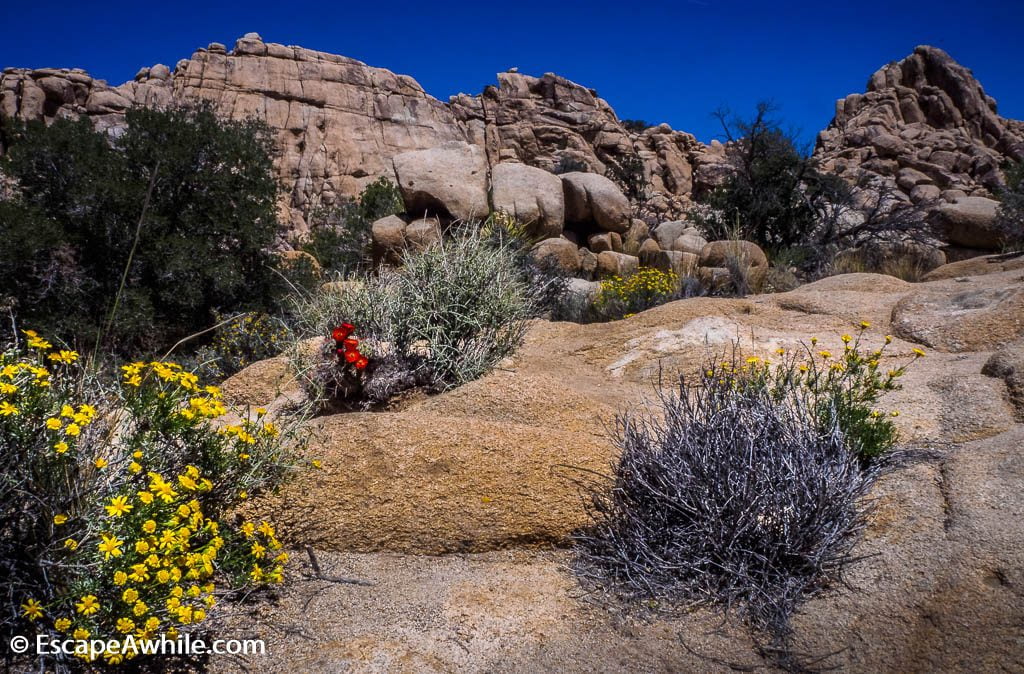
pixel 457 505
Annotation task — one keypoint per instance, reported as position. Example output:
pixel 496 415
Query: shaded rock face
pixel 925 124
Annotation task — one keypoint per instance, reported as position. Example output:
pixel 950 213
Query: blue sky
pixel 671 62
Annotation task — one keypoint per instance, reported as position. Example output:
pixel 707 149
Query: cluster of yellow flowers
pixel 152 551
pixel 643 290
pixel 848 383
pixel 159 551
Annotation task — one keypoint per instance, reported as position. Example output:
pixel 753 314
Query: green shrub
pixel 1010 218
pixel 113 499
pixel 447 316
pixel 774 194
pixel 340 237
pixel 842 389
pixel 81 208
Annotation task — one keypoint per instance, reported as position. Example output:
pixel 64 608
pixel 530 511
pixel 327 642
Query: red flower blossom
pixel 352 356
pixel 362 362
pixel 350 343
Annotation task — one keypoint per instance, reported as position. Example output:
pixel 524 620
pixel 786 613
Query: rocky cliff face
pixel 926 124
pixel 339 122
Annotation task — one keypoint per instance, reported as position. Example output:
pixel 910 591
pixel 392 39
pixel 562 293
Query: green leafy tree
pixel 147 232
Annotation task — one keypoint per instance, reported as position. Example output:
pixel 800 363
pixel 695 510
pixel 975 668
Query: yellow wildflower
pixel 110 546
pixel 32 609
pixel 88 605
pixel 118 506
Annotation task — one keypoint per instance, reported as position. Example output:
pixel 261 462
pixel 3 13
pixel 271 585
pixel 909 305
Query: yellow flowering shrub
pixel 111 501
pixel 838 388
pixel 621 297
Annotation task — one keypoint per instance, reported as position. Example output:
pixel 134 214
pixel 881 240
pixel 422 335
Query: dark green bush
pixel 1011 209
pixel 775 193
pixel 187 197
pixel 339 236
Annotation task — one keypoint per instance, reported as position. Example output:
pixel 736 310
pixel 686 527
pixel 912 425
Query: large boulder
pixel 592 198
pixel 474 469
pixel 532 195
pixel 976 266
pixel 422 233
pixel 388 239
pixel 562 253
pixel 720 254
pixel 450 181
pixel 667 232
pixel 689 242
pixel 969 317
pixel 679 263
pixel 970 222
pixel 610 263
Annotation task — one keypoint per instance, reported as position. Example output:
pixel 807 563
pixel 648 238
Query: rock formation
pixel 340 122
pixel 490 471
pixel 926 125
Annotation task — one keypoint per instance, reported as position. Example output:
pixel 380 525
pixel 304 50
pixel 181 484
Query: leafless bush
pixel 726 496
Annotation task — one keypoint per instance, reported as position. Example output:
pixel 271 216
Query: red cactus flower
pixel 362 362
pixel 350 343
pixel 352 356
pixel 337 334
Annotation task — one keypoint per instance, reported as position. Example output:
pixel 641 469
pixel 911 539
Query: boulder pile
pixel 583 221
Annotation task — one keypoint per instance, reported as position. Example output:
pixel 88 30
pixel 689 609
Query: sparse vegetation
pixel 629 174
pixel 339 236
pixel 240 341
pixel 1011 209
pixel 778 198
pixel 447 316
pixel 635 125
pixel 744 489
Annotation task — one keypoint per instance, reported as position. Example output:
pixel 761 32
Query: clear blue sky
pixel 669 62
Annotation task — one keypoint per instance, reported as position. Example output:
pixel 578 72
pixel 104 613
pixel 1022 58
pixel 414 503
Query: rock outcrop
pixel 339 122
pixel 926 125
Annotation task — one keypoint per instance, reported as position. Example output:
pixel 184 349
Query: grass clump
pixel 447 316
pixel 114 499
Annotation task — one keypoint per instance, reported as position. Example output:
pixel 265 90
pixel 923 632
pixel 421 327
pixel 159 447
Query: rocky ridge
pixel 926 126
pixel 339 122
